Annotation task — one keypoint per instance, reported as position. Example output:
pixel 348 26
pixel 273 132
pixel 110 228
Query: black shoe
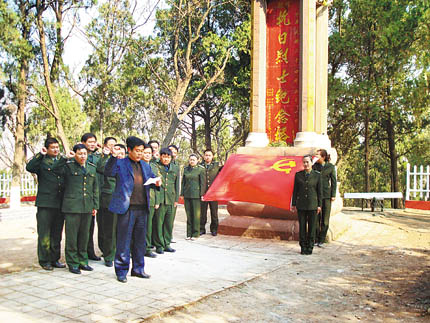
pixel 202 232
pixel 169 249
pixel 302 252
pixel 172 241
pixel 308 252
pixel 94 257
pixel 48 267
pixel 214 233
pixel 122 279
pixel 142 275
pixel 150 254
pixel 58 264
pixel 86 268
pixel 108 263
pixel 74 270
pixel 159 251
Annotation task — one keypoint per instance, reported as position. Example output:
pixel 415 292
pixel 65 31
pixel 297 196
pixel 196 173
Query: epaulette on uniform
pixel 90 163
pixel 70 161
pixel 317 171
pixel 200 165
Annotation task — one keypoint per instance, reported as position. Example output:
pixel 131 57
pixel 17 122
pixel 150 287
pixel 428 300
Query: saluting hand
pixel 156 206
pixel 94 212
pixel 70 154
pixel 43 151
pixel 106 151
pixel 318 210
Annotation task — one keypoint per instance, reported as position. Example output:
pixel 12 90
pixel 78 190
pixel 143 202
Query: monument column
pixel 322 75
pixel 258 136
pixel 306 137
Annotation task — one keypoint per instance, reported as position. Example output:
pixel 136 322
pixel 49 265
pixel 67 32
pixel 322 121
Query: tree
pixel 114 96
pixel 15 42
pixel 376 51
pixel 188 55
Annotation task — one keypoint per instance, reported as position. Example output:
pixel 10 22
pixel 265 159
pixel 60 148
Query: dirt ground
pixel 378 271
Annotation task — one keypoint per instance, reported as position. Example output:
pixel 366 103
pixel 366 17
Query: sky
pixel 77 49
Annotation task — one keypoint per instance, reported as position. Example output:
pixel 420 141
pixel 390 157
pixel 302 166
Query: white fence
pixel 418 182
pixel 28 185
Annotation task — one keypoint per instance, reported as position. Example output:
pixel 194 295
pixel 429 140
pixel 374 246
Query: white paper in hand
pixel 152 180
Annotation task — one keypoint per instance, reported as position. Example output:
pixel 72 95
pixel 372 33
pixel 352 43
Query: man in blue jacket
pixel 130 201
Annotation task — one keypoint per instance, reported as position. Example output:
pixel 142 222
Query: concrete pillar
pixel 258 136
pixel 321 76
pixel 15 197
pixel 306 136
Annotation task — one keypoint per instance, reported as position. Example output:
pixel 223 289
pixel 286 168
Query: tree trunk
pixel 47 78
pixel 57 60
pixel 366 155
pixel 19 131
pixel 193 134
pixel 393 161
pixel 174 123
pixel 207 115
pixel 19 156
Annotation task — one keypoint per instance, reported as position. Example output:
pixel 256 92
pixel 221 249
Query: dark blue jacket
pixel 122 170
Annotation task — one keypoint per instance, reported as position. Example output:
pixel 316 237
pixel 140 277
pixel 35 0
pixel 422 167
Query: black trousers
pixel 91 250
pixel 204 217
pixel 307 228
pixel 50 224
pixel 323 221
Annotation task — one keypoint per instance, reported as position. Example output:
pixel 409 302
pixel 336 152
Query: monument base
pixel 257 139
pixel 264 221
pixel 267 222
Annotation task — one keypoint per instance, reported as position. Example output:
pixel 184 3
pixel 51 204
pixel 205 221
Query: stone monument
pixel 288 103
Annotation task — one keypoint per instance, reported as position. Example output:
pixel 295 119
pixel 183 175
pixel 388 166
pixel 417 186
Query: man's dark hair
pixel 121 146
pixel 147 145
pixel 50 141
pixel 307 156
pixel 78 147
pixel 133 141
pixel 173 146
pixel 324 154
pixel 165 151
pixel 153 142
pixel 107 139
pixel 87 136
pixel 208 149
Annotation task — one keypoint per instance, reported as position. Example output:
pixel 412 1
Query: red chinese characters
pixel 282 74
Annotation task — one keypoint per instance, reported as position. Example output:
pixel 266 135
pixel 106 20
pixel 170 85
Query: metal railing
pixel 28 185
pixel 418 182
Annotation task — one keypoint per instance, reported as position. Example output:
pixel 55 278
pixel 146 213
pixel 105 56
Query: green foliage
pixel 378 81
pixel 40 124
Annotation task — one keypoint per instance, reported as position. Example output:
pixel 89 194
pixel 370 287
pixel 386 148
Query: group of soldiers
pixel 130 191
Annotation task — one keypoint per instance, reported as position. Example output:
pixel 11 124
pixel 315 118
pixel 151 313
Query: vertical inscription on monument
pixel 282 74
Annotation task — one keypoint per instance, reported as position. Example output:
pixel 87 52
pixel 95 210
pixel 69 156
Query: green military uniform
pixel 107 220
pixel 152 211
pixel 165 198
pixel 175 163
pixel 211 171
pixel 50 220
pixel 192 189
pixel 307 197
pixel 94 158
pixel 329 186
pixel 81 196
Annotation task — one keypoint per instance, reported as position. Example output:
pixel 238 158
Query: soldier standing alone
pixel 212 168
pixel 306 200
